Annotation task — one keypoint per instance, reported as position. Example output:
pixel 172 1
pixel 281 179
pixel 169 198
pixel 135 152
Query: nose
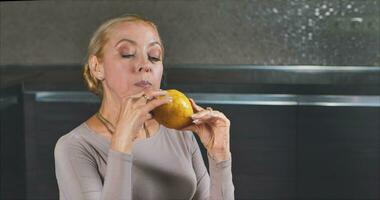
pixel 144 67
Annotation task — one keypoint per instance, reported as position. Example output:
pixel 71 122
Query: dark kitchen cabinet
pixel 44 124
pixel 12 146
pixel 263 145
pixel 338 151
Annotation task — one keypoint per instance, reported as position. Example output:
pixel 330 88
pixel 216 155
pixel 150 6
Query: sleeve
pixel 218 185
pixel 78 177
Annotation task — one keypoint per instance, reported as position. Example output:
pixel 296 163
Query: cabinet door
pixel 338 152
pixel 12 147
pixel 45 122
pixel 263 146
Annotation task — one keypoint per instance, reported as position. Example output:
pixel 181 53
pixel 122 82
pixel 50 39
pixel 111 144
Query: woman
pixel 121 152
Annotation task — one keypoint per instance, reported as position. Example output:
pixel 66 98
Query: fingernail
pixel 196 121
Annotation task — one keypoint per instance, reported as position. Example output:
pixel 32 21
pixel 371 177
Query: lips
pixel 143 84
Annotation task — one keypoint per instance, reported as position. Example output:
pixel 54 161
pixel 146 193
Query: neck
pixel 110 107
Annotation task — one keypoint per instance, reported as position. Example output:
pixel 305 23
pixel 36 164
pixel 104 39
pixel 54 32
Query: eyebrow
pixel 134 42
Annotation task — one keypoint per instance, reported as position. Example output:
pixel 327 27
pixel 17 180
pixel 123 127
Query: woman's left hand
pixel 213 129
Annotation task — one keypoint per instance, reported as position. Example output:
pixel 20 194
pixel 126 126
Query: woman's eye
pixel 127 55
pixel 154 59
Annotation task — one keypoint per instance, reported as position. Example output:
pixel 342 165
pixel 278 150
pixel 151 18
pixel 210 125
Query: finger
pixel 211 117
pixel 195 106
pixel 151 105
pixel 147 116
pixel 198 121
pixel 139 102
pixel 209 121
pixel 200 114
pixel 142 98
pixel 191 127
pixel 128 102
pixel 136 96
pixel 151 94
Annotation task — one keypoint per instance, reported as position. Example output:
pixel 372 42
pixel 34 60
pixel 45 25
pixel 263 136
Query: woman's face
pixel 132 59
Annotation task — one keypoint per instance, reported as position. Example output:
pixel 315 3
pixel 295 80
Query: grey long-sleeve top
pixel 166 166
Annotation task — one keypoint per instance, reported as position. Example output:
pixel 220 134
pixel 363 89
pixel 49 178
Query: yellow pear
pixel 176 114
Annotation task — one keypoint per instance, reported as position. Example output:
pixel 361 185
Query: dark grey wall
pixel 270 32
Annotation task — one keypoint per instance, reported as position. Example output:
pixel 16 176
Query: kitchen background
pixel 299 80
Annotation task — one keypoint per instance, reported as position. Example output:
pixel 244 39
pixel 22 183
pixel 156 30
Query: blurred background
pixel 299 80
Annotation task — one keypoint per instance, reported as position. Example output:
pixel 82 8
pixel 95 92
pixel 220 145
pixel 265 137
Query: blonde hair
pixel 95 47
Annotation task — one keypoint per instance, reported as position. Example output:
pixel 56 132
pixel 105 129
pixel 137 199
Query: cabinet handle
pixel 233 99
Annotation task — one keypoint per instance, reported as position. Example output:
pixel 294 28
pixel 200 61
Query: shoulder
pixel 71 143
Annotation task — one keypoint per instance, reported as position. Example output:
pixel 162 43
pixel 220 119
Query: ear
pixel 96 67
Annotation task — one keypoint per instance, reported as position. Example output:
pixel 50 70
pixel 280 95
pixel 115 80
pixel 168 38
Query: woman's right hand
pixel 134 111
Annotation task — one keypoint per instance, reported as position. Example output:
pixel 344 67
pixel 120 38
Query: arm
pixel 220 185
pixel 76 170
pixel 78 177
pixel 213 129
